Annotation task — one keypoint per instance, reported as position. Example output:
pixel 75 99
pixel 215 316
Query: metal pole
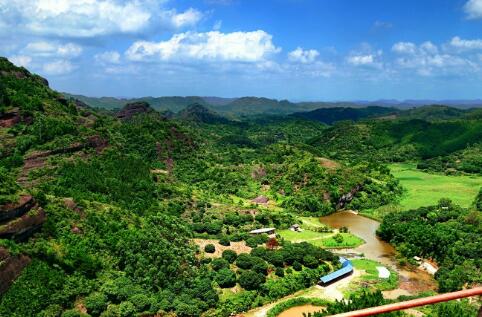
pixel 412 303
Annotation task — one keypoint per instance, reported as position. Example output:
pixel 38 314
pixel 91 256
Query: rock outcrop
pixel 13 117
pixel 346 198
pixel 20 220
pixel 260 200
pixel 10 268
pixel 132 109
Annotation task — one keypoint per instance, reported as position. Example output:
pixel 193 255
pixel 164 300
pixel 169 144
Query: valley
pixel 136 212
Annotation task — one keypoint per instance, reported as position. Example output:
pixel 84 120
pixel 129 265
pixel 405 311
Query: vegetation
pixel 293 302
pixel 446 233
pixel 124 197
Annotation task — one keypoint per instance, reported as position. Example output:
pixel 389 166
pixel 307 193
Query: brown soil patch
pixel 238 247
pixel 327 163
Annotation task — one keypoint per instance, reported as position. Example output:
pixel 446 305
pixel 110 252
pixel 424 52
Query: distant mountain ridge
pixel 246 106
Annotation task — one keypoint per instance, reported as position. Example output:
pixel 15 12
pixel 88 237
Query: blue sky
pixel 285 49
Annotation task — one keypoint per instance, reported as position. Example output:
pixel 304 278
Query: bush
pixel 254 241
pixel 259 251
pixel 310 261
pixel 96 303
pixel 218 264
pixel 251 280
pixel 244 261
pixel 127 309
pixel 276 258
pixel 225 278
pixel 224 241
pixel 209 248
pixel 229 255
pixel 280 272
pixel 259 265
pixel 206 260
pixel 297 266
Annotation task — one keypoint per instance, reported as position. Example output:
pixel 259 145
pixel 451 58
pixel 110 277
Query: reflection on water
pixel 374 248
pixel 299 310
pixel 378 250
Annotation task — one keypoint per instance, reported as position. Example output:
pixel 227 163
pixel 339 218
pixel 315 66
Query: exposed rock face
pixel 13 117
pixel 258 173
pixel 14 210
pixel 10 268
pixel 132 109
pixel 22 227
pixel 346 198
pixel 38 159
pixel 260 200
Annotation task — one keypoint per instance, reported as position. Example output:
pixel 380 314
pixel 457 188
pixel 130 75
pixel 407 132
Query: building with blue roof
pixel 345 270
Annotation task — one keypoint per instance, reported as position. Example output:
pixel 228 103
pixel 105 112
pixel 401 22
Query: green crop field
pixel 424 189
pixel 322 239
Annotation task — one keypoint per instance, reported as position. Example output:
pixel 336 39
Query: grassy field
pixel 322 239
pixel 424 189
pixel 370 277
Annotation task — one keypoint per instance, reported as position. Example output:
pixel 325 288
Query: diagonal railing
pixel 413 303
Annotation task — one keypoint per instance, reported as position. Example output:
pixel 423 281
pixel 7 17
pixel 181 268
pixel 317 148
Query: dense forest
pixel 99 209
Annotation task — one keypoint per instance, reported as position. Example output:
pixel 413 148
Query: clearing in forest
pixel 425 189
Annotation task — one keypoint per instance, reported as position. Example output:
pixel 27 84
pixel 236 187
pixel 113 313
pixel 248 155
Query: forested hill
pixel 98 210
pixel 331 115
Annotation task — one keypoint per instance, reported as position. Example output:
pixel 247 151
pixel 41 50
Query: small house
pixel 295 227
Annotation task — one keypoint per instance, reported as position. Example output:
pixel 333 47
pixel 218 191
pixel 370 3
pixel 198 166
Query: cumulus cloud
pixel 303 56
pixel 90 18
pixel 110 57
pixel 358 60
pixel 21 60
pixel 459 43
pixel 473 9
pixel 58 67
pixel 427 59
pixel 253 46
pixel 404 47
pixel 188 18
pixel 43 48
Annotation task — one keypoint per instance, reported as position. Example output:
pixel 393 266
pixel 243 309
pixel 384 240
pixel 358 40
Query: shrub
pixel 280 272
pixel 289 270
pixel 259 251
pixel 127 309
pixel 297 266
pixel 96 303
pixel 218 264
pixel 206 260
pixel 251 280
pixel 275 258
pixel 209 248
pixel 229 255
pixel 224 241
pixel 225 278
pixel 259 265
pixel 310 261
pixel 244 261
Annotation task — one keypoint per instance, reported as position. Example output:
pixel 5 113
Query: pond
pixel 411 281
pixel 298 311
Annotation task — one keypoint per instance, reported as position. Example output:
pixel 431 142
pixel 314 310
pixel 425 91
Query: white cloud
pixel 359 60
pixel 210 46
pixel 21 60
pixel 90 18
pixel 459 43
pixel 427 60
pixel 303 56
pixel 111 57
pixel 473 9
pixel 404 48
pixel 43 48
pixel 59 67
pixel 188 18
